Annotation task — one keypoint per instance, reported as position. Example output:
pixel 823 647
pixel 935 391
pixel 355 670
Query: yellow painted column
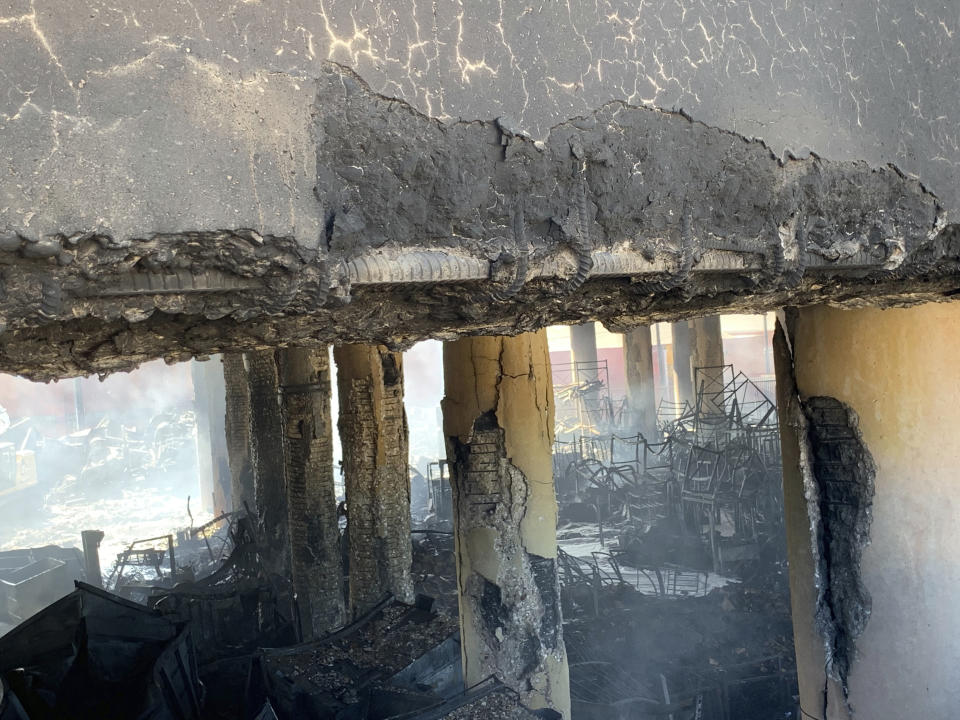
pixel 498 420
pixel 869 404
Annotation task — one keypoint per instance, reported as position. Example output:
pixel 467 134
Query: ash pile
pixel 193 626
pixel 672 558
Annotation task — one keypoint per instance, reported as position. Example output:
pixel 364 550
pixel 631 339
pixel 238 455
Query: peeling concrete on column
pixel 374 437
pixel 237 430
pixel 308 451
pixel 266 452
pixel 838 477
pixel 840 487
pixel 505 521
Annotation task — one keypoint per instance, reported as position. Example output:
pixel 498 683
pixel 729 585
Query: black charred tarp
pixel 93 655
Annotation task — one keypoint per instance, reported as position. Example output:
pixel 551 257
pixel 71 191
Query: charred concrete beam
pixel 498 419
pixel 419 228
pixel 315 558
pixel 374 437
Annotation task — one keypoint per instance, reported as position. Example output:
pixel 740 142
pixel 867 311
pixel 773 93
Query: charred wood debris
pixel 212 634
pixel 191 624
pixel 672 565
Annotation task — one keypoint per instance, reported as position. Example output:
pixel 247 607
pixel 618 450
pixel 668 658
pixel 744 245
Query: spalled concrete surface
pixel 192 80
pixel 841 483
pixel 375 441
pixel 267 458
pixel 498 419
pixel 872 392
pixel 184 180
pixel 315 557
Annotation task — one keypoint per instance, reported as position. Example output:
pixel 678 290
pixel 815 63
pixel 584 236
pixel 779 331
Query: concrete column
pixel 868 400
pixel 706 351
pixel 212 463
pixel 583 348
pixel 498 420
pixel 681 362
pixel 638 362
pixel 266 455
pixel 373 434
pixel 316 568
pixel 237 430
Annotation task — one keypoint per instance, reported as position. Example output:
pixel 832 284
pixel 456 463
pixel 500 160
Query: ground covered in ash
pixel 397 636
pixel 731 646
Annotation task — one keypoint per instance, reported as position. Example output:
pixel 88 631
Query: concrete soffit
pixel 362 220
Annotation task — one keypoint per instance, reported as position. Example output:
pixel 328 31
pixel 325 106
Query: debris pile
pixel 672 561
pixel 355 666
pixel 223 644
pixel 93 655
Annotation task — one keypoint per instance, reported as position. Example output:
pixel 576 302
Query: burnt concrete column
pixel 583 348
pixel 681 362
pixel 373 434
pixel 641 397
pixel 315 564
pixel 237 430
pixel 706 351
pixel 868 403
pixel 212 463
pixel 498 420
pixel 706 342
pixel 266 456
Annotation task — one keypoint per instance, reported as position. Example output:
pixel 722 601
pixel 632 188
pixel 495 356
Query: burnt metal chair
pixel 706 483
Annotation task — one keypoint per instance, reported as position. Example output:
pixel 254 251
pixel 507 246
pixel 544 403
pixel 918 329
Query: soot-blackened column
pixel 373 434
pixel 237 430
pixel 498 421
pixel 266 457
pixel 317 571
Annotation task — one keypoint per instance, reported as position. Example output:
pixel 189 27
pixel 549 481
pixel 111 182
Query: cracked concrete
pixel 498 415
pixel 177 185
pixel 374 437
pixel 311 498
pixel 625 215
pixel 864 396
